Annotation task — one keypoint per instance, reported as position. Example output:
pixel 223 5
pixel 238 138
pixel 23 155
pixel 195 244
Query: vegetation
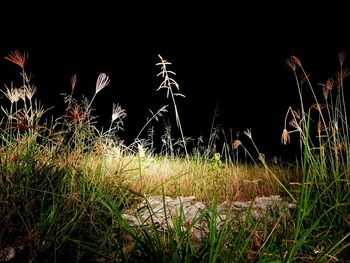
pixel 64 184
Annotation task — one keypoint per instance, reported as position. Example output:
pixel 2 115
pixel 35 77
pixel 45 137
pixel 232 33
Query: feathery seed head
pixel 17 58
pixel 236 144
pixel 102 81
pixel 285 138
pixel 341 57
pixel 118 112
pixel 248 133
pixel 73 81
pixel 293 62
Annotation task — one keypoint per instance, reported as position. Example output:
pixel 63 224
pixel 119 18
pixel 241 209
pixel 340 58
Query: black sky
pixel 229 58
pixel 249 87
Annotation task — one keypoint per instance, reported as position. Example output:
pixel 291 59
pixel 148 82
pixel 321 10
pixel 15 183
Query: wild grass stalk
pixel 323 197
pixel 168 83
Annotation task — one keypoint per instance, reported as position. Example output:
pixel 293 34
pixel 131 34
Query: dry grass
pixel 153 175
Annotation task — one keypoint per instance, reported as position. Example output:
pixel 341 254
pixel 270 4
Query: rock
pixel 162 211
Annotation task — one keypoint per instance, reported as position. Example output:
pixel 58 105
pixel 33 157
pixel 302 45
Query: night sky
pixel 248 88
pixel 221 64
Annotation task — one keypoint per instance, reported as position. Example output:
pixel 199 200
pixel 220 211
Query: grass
pixel 65 184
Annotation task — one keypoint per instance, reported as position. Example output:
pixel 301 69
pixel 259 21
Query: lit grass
pixel 151 175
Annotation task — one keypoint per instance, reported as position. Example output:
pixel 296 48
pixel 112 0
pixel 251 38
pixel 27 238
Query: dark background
pixel 246 87
pixel 227 57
